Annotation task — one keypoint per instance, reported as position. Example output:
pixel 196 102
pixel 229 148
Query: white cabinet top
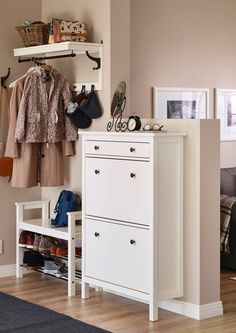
pixel 140 134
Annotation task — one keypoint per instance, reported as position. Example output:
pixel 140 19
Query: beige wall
pixel 187 43
pixel 12 13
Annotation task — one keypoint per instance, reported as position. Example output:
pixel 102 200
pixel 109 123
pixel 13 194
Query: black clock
pixel 134 123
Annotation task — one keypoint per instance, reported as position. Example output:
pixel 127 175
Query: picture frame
pixel 225 110
pixel 180 103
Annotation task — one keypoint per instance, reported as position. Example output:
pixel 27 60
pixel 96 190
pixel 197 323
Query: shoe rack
pixel 43 226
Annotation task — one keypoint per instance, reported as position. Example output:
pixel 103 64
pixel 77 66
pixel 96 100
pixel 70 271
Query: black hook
pixel 92 87
pixel 96 59
pixel 4 78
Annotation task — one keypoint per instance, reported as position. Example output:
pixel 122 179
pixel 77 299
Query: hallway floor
pixel 118 314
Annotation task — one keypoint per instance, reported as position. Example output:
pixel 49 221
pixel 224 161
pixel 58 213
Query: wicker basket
pixel 34 34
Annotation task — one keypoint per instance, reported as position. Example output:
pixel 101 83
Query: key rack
pixel 65 50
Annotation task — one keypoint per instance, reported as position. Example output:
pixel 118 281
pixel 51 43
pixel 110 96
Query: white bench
pixel 43 226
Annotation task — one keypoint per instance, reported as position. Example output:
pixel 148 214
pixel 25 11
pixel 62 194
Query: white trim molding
pixel 194 311
pixel 8 270
pixel 190 310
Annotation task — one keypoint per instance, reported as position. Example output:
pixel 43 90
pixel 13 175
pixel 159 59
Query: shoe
pixel 53 250
pixel 78 264
pixel 62 271
pixel 25 258
pixel 37 239
pixel 45 244
pixel 23 238
pixel 60 242
pixel 50 266
pixel 78 251
pixel 33 260
pixel 61 251
pixel 30 240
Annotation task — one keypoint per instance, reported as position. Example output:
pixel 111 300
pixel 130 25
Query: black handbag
pixel 90 105
pixel 77 116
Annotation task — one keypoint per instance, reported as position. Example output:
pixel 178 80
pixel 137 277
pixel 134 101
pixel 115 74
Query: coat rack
pixel 41 53
pixel 4 78
pixel 71 55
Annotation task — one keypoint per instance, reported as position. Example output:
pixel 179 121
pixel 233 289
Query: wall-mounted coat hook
pixel 4 78
pixel 96 59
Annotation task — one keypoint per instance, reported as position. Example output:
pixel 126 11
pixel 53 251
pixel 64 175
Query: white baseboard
pixel 194 311
pixel 191 310
pixel 8 270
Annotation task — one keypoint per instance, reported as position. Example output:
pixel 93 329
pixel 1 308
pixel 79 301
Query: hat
pixel 90 105
pixel 79 118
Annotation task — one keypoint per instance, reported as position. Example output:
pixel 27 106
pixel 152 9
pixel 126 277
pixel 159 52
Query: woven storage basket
pixel 34 34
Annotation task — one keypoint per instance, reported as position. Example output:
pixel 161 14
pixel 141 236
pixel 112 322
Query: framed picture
pixel 225 110
pixel 180 103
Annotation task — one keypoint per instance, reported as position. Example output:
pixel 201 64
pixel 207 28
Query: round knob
pixel 132 241
pixel 132 150
pixel 97 172
pixel 96 234
pixel 132 175
pixel 96 147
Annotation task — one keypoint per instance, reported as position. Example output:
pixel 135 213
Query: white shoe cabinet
pixel 132 215
pixel 43 226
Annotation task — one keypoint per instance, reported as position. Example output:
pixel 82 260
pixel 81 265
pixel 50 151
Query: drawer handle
pixel 132 150
pixel 132 175
pixel 96 172
pixel 96 234
pixel 132 241
pixel 96 147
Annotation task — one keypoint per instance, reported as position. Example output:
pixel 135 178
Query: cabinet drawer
pixel 118 189
pixel 117 254
pixel 115 148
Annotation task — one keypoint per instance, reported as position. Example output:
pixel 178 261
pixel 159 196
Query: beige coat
pixel 34 162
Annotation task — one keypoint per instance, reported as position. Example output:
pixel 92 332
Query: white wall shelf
pixel 58 49
pixel 62 50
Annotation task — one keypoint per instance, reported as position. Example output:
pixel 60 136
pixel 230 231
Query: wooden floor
pixel 118 314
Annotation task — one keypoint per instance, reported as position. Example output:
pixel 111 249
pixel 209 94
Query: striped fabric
pixel 226 205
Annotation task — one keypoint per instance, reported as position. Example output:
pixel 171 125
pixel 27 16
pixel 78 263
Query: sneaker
pixel 37 239
pixel 30 240
pixel 23 238
pixel 62 271
pixel 50 266
pixel 45 244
